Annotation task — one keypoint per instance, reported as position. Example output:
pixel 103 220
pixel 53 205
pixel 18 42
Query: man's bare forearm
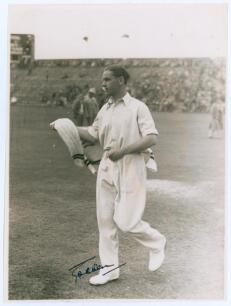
pixel 141 145
pixel 137 147
pixel 84 135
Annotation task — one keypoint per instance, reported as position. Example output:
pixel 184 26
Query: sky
pixel 127 30
pixel 156 31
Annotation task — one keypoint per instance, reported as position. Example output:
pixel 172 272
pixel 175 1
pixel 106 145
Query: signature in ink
pixel 78 274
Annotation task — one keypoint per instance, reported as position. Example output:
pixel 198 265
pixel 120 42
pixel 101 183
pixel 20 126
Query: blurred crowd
pixel 85 102
pixel 165 85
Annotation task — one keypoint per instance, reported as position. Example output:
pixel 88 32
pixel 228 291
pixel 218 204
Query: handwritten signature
pixel 78 274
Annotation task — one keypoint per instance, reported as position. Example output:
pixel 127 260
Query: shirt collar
pixel 125 100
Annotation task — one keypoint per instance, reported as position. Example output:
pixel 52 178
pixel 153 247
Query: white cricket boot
pixel 156 258
pixel 101 279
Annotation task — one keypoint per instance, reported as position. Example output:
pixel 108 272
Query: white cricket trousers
pixel 120 197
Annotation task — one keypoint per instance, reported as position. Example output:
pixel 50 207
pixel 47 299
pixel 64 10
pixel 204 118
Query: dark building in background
pixel 22 49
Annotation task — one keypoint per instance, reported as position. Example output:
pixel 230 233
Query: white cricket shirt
pixel 121 123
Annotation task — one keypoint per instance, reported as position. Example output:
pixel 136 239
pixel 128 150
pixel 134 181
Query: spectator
pixel 91 106
pixel 53 98
pixel 78 109
pixel 47 75
pixel 62 99
pixel 216 122
pixel 101 98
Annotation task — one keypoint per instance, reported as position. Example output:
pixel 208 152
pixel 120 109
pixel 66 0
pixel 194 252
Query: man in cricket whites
pixel 124 128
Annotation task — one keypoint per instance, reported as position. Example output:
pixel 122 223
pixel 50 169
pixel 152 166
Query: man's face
pixel 110 84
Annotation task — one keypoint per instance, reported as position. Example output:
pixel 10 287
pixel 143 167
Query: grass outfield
pixel 53 220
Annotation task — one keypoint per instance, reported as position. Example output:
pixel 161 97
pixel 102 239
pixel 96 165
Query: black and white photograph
pixel 117 152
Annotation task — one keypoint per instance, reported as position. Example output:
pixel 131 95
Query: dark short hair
pixel 118 71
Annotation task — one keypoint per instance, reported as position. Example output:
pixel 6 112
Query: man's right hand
pixel 52 125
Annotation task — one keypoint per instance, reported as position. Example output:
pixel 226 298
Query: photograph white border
pixel 4 128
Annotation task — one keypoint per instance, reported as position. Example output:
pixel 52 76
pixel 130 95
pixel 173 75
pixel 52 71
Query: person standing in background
pixel 216 121
pixel 78 109
pixel 91 106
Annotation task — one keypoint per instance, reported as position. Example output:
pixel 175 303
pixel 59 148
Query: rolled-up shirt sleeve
pixel 145 121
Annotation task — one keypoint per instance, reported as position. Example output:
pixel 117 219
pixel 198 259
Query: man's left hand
pixel 115 155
